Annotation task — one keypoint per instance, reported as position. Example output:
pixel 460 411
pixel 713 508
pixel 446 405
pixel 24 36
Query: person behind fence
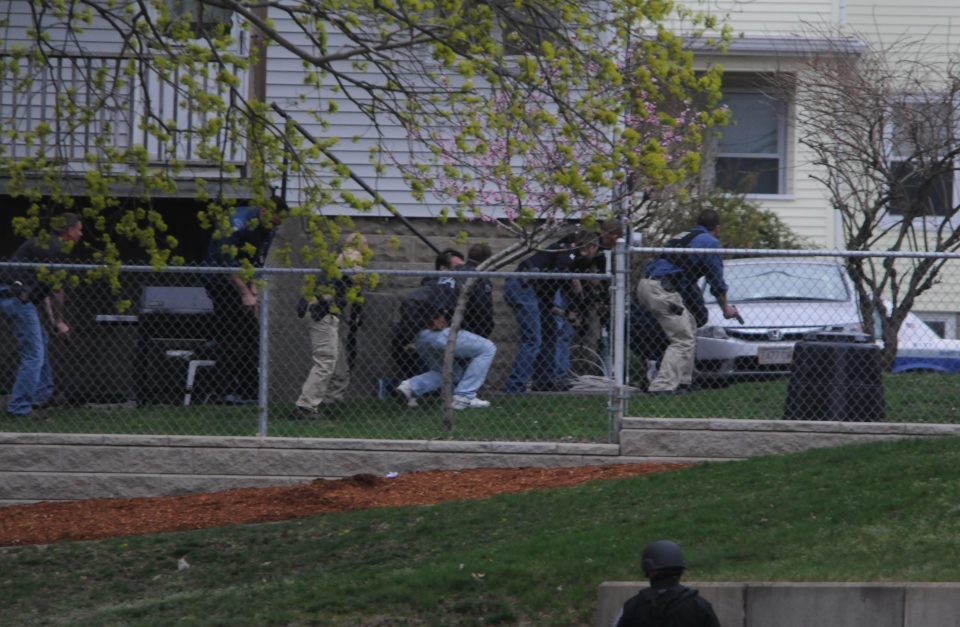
pixel 478 313
pixel 21 292
pixel 532 302
pixel 667 602
pixel 472 354
pixel 357 253
pixel 593 306
pixel 236 303
pixel 669 290
pixel 415 311
pixel 321 314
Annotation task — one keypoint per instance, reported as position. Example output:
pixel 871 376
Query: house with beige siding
pixel 761 146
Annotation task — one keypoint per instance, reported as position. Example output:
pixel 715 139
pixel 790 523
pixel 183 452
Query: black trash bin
pixel 174 328
pixel 836 376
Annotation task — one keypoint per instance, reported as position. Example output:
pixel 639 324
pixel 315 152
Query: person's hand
pixel 62 328
pixel 730 311
pixel 249 299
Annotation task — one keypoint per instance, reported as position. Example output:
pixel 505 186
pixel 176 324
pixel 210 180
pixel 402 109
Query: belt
pixel 666 282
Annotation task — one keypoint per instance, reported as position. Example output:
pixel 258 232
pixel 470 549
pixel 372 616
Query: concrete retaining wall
pixel 800 604
pixel 722 439
pixel 52 467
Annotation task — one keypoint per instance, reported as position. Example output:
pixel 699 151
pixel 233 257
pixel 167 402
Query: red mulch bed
pixel 44 523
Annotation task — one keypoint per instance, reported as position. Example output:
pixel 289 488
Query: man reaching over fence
pixel 669 290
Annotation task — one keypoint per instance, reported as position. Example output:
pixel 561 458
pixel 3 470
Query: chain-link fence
pixel 177 352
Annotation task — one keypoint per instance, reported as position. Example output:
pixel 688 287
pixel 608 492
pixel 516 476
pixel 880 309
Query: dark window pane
pixel 911 195
pixel 748 176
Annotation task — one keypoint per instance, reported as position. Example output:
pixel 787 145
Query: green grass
pixel 885 511
pixel 537 417
pixel 928 398
pixel 910 397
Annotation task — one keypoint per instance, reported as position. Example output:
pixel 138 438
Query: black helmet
pixel 662 555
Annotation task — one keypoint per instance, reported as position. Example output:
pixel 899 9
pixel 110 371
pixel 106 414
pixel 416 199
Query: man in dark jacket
pixel 532 302
pixel 236 304
pixel 478 314
pixel 21 295
pixel 666 603
pixel 473 354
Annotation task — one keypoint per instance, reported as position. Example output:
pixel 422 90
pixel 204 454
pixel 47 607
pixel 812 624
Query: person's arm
pixel 247 291
pixel 713 266
pixel 729 311
pixel 54 306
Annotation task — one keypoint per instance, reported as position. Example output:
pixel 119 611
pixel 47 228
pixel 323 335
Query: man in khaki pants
pixel 321 315
pixel 669 290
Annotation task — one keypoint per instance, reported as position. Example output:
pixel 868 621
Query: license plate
pixel 768 355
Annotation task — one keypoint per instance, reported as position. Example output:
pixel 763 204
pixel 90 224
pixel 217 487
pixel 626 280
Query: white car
pixel 781 300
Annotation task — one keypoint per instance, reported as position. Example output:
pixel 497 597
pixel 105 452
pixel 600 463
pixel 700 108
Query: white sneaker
pixel 462 402
pixel 404 388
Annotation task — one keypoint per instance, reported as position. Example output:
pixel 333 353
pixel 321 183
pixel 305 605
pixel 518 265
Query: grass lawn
pixel 932 398
pixel 886 511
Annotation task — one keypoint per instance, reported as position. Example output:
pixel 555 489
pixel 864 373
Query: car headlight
pixel 715 332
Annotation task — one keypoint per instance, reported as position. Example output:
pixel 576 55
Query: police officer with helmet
pixel 666 603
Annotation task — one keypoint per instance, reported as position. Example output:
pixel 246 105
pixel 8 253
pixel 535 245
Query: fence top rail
pixel 279 270
pixel 817 252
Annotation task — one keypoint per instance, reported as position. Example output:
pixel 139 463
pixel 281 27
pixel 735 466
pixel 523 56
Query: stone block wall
pixel 805 604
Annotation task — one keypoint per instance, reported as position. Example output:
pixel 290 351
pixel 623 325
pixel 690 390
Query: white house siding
pixel 934 22
pixel 934 25
pixel 100 45
pixel 285 76
pixel 769 17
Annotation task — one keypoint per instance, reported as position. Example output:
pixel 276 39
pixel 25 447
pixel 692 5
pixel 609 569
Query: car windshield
pixel 793 280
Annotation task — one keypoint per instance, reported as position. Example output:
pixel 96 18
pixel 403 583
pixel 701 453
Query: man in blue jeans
pixel 20 294
pixel 475 351
pixel 532 302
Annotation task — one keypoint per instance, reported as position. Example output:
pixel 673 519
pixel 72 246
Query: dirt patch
pixel 44 523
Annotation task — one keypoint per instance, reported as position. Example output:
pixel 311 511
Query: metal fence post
pixel 618 337
pixel 264 357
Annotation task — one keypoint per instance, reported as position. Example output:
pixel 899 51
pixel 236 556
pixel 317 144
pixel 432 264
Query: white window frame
pixel 783 112
pixel 891 218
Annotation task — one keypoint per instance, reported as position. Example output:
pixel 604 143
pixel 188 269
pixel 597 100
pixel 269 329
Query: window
pixel 204 18
pixel 920 184
pixel 751 151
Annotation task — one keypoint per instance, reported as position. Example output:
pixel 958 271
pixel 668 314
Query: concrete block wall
pixel 804 604
pixel 54 467
pixel 50 466
pixel 725 439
